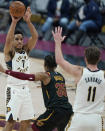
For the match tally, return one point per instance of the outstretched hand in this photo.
(2, 69)
(27, 15)
(57, 34)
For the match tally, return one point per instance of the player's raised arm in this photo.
(10, 36)
(34, 35)
(74, 70)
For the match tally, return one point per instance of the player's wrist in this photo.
(28, 21)
(14, 22)
(4, 71)
(58, 43)
(8, 72)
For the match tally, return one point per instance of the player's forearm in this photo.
(58, 53)
(10, 35)
(32, 30)
(22, 76)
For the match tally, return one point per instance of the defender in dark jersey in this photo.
(58, 109)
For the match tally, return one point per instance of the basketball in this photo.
(17, 9)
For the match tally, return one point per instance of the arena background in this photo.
(74, 54)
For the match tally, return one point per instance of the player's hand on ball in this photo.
(15, 19)
(27, 15)
(17, 10)
(57, 34)
(2, 69)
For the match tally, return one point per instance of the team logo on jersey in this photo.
(23, 67)
(21, 57)
(22, 70)
(58, 78)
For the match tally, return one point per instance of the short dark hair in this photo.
(18, 32)
(92, 55)
(87, 1)
(50, 61)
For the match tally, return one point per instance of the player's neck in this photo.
(18, 50)
(50, 70)
(92, 67)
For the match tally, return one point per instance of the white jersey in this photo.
(20, 63)
(90, 92)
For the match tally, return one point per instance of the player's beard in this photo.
(18, 49)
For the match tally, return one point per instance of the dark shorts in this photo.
(53, 118)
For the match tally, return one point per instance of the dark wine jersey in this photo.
(54, 93)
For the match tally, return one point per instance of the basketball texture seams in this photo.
(17, 9)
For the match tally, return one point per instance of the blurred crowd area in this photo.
(69, 14)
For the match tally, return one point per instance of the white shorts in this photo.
(19, 103)
(86, 122)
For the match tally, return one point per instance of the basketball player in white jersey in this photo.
(18, 98)
(90, 91)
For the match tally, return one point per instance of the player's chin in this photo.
(19, 47)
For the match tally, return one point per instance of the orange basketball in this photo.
(17, 9)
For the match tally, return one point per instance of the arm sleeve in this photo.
(22, 76)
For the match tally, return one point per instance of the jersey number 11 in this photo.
(91, 92)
